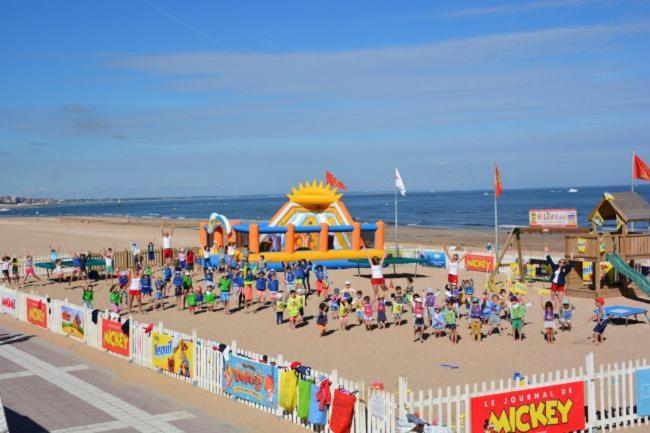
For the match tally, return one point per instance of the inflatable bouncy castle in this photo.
(314, 224)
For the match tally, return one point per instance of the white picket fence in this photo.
(610, 392)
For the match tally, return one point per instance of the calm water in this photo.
(464, 209)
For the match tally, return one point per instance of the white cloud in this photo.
(516, 7)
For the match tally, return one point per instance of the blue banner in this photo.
(251, 381)
(435, 258)
(643, 392)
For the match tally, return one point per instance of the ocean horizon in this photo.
(446, 209)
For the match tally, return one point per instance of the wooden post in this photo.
(520, 258)
(500, 256)
(597, 285)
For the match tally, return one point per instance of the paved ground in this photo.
(44, 390)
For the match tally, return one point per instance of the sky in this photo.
(133, 98)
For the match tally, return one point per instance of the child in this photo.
(398, 309)
(187, 286)
(199, 298)
(438, 322)
(601, 321)
(517, 314)
(122, 281)
(302, 302)
(249, 280)
(273, 285)
(238, 288)
(344, 309)
(57, 274)
(260, 287)
(320, 277)
(367, 313)
(429, 303)
(494, 317)
(475, 323)
(335, 300)
(566, 314)
(177, 282)
(549, 321)
(358, 307)
(450, 320)
(146, 286)
(418, 315)
(408, 292)
(293, 307)
(209, 298)
(280, 305)
(115, 298)
(381, 312)
(289, 280)
(158, 303)
(325, 289)
(190, 298)
(224, 289)
(321, 320)
(168, 273)
(88, 295)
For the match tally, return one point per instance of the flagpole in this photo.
(496, 229)
(396, 241)
(633, 182)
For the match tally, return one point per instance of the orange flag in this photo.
(639, 169)
(498, 188)
(332, 180)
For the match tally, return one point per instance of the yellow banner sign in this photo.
(171, 354)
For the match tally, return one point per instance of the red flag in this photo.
(639, 169)
(498, 188)
(332, 180)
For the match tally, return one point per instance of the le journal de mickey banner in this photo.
(544, 409)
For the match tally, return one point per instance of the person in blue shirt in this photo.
(177, 282)
(145, 285)
(601, 321)
(260, 287)
(289, 281)
(273, 285)
(306, 271)
(321, 276)
(299, 272)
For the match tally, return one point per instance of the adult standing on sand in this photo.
(377, 279)
(454, 261)
(135, 289)
(558, 278)
(168, 252)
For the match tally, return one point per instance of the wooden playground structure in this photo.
(603, 255)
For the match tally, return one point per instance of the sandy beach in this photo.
(356, 354)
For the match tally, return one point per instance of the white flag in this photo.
(399, 184)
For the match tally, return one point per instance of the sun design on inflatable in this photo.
(314, 195)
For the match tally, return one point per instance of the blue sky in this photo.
(160, 97)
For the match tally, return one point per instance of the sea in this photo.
(445, 209)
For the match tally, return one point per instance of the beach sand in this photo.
(356, 354)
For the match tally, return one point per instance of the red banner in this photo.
(479, 262)
(545, 409)
(37, 312)
(113, 339)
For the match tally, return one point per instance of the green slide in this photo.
(622, 267)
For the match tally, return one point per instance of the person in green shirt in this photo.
(210, 298)
(450, 315)
(517, 314)
(191, 301)
(114, 297)
(88, 295)
(187, 287)
(224, 287)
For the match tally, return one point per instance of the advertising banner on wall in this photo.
(479, 262)
(72, 321)
(9, 303)
(545, 409)
(553, 218)
(113, 339)
(251, 381)
(37, 312)
(172, 354)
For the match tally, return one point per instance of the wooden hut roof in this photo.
(629, 206)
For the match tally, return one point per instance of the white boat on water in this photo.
(5, 209)
(572, 190)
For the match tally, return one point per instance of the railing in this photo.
(610, 396)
